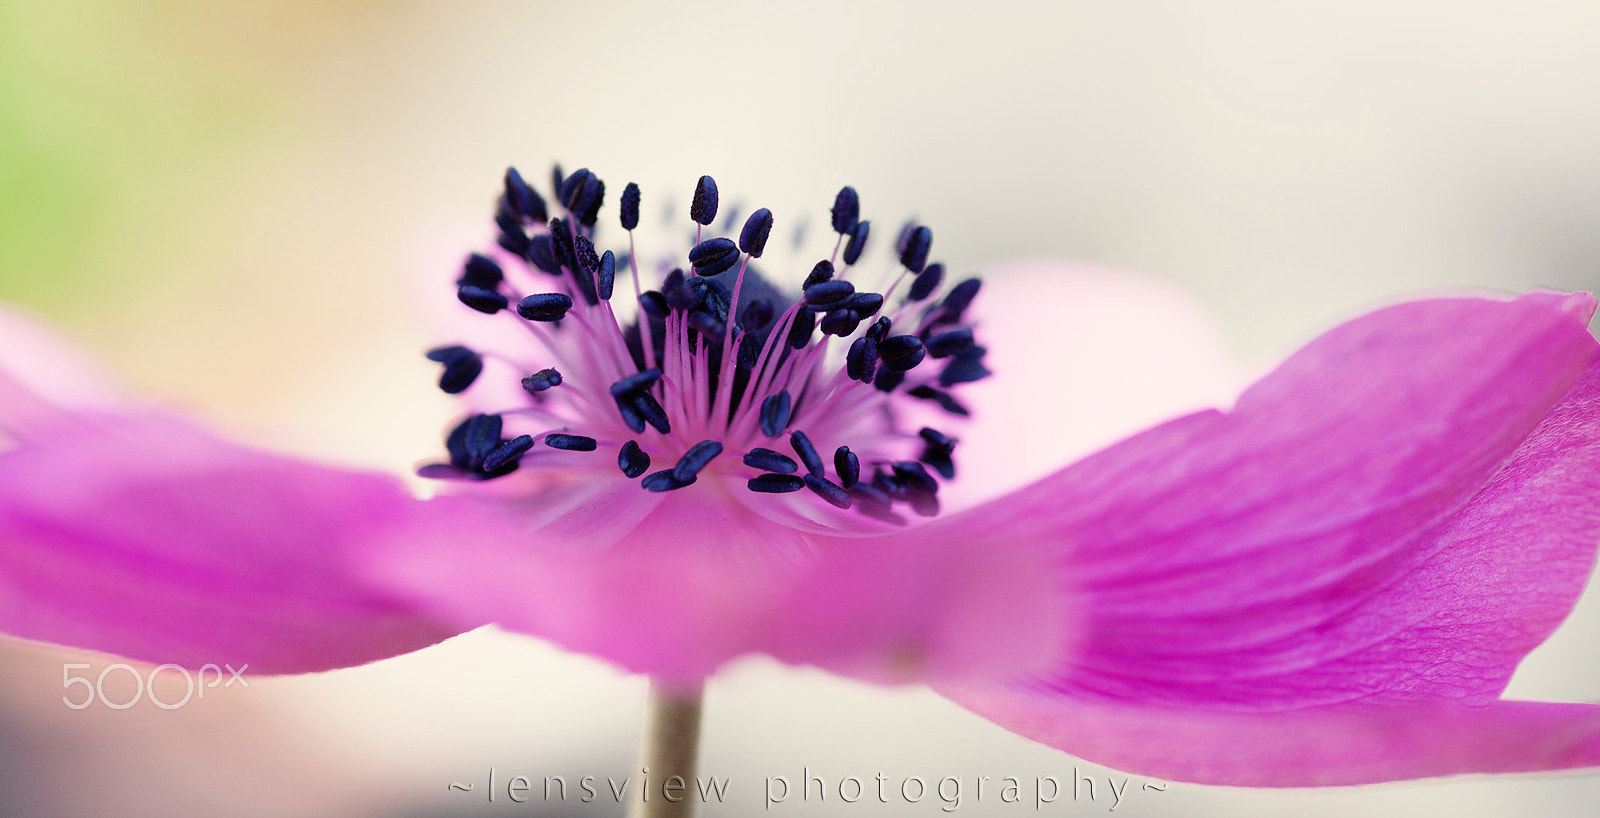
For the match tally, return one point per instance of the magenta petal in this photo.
(1083, 357)
(1324, 746)
(42, 373)
(146, 537)
(1395, 516)
(676, 585)
(960, 601)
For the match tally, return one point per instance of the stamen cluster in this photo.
(700, 368)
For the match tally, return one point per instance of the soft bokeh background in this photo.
(229, 202)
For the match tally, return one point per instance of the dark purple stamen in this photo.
(857, 243)
(582, 193)
(523, 199)
(545, 306)
(825, 295)
(703, 208)
(864, 304)
(769, 460)
(481, 436)
(840, 322)
(571, 188)
(570, 443)
(775, 483)
(630, 415)
(960, 296)
(775, 413)
(512, 237)
(749, 351)
(914, 477)
(805, 323)
(636, 382)
(847, 466)
(713, 256)
(649, 409)
(462, 366)
(541, 380)
(507, 452)
(879, 330)
(711, 297)
(888, 379)
(903, 235)
(482, 300)
(594, 194)
(542, 252)
(470, 444)
(675, 287)
(584, 252)
(561, 244)
(632, 460)
(846, 210)
(695, 459)
(936, 452)
(965, 366)
(808, 453)
(915, 253)
(823, 271)
(827, 490)
(910, 483)
(875, 502)
(630, 206)
(654, 304)
(663, 481)
(861, 362)
(706, 323)
(753, 238)
(587, 270)
(943, 398)
(441, 471)
(902, 352)
(949, 343)
(481, 272)
(608, 275)
(926, 282)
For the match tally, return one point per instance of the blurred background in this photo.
(230, 203)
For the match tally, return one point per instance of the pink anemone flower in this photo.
(1330, 582)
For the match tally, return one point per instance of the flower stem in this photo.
(670, 744)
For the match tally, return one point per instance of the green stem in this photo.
(670, 745)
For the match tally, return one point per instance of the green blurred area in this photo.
(115, 121)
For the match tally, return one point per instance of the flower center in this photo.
(717, 373)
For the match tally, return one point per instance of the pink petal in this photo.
(1320, 746)
(143, 536)
(1083, 357)
(1395, 516)
(675, 585)
(947, 604)
(41, 371)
